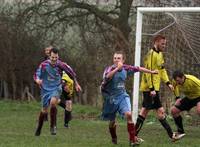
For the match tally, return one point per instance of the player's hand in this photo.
(154, 71)
(178, 102)
(119, 65)
(78, 87)
(171, 87)
(39, 82)
(153, 93)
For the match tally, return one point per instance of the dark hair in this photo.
(158, 38)
(178, 73)
(54, 50)
(122, 53)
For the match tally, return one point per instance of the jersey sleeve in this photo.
(148, 64)
(176, 89)
(131, 69)
(68, 70)
(38, 72)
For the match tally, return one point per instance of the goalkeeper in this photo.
(188, 85)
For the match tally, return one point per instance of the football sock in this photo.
(139, 124)
(179, 123)
(166, 127)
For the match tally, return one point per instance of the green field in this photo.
(18, 122)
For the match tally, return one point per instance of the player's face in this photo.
(161, 44)
(118, 58)
(47, 51)
(180, 80)
(53, 58)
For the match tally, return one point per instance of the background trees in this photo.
(86, 32)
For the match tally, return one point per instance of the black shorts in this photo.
(65, 96)
(187, 104)
(150, 102)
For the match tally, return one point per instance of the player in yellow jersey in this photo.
(66, 97)
(189, 86)
(150, 86)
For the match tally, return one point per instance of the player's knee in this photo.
(144, 112)
(112, 124)
(69, 105)
(161, 113)
(198, 111)
(128, 116)
(173, 111)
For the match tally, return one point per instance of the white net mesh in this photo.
(182, 31)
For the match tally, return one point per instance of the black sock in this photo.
(40, 123)
(139, 123)
(62, 104)
(53, 114)
(112, 131)
(68, 116)
(179, 123)
(166, 126)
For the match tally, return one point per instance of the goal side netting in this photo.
(182, 30)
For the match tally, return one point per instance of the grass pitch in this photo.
(18, 122)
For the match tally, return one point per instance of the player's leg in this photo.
(53, 115)
(180, 105)
(41, 118)
(68, 113)
(112, 130)
(109, 113)
(62, 104)
(146, 106)
(198, 108)
(43, 113)
(162, 118)
(125, 110)
(140, 120)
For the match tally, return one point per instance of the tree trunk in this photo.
(14, 86)
(5, 90)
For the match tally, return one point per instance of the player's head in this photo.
(179, 77)
(47, 50)
(160, 42)
(53, 55)
(118, 56)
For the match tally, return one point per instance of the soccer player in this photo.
(65, 102)
(66, 97)
(115, 96)
(188, 85)
(150, 86)
(48, 77)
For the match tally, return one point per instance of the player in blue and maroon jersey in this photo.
(115, 96)
(48, 77)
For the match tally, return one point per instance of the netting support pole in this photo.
(137, 63)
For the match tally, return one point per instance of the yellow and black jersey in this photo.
(190, 87)
(154, 61)
(69, 83)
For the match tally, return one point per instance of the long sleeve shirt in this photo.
(153, 61)
(190, 88)
(116, 85)
(51, 74)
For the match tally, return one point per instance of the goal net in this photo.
(181, 27)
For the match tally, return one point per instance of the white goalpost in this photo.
(181, 26)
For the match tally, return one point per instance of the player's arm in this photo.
(176, 90)
(149, 64)
(143, 69)
(111, 73)
(163, 74)
(37, 75)
(69, 71)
